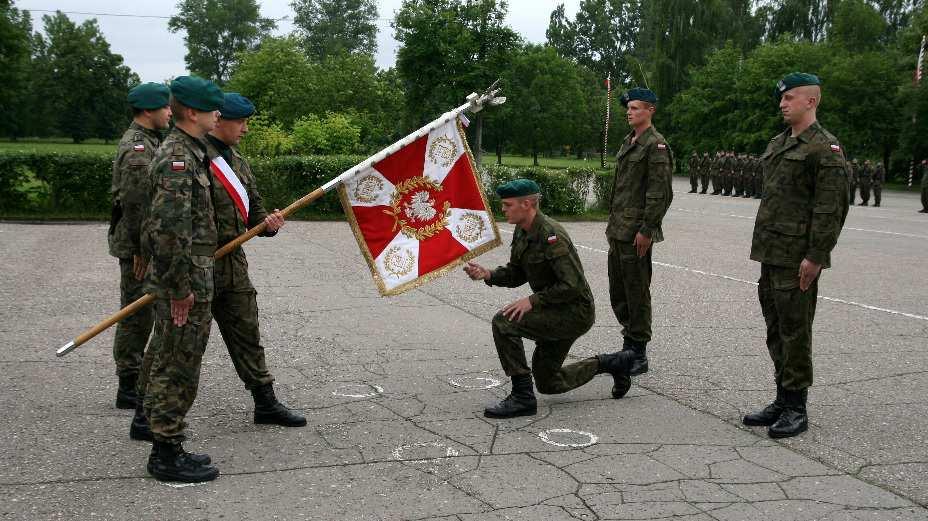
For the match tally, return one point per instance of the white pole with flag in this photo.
(919, 69)
(602, 156)
(475, 103)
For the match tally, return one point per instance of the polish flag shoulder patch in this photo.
(835, 148)
(661, 146)
(178, 166)
(139, 148)
(552, 239)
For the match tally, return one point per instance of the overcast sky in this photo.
(156, 54)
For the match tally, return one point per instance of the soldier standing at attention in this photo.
(758, 178)
(180, 233)
(150, 115)
(693, 167)
(798, 222)
(716, 171)
(558, 312)
(641, 195)
(864, 174)
(879, 177)
(853, 173)
(704, 166)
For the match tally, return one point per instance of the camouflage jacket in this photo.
(545, 257)
(879, 175)
(805, 199)
(715, 164)
(180, 230)
(693, 165)
(641, 190)
(129, 189)
(229, 222)
(864, 174)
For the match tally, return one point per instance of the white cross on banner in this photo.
(223, 172)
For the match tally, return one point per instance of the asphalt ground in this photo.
(394, 388)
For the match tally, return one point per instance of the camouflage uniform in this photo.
(704, 164)
(129, 190)
(758, 178)
(562, 308)
(234, 305)
(727, 170)
(853, 171)
(879, 177)
(864, 174)
(693, 170)
(803, 210)
(180, 232)
(641, 195)
(716, 174)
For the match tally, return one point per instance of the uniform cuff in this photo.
(817, 256)
(645, 230)
(535, 300)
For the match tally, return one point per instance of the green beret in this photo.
(639, 94)
(796, 79)
(517, 188)
(197, 93)
(236, 106)
(149, 96)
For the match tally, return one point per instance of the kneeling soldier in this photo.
(558, 312)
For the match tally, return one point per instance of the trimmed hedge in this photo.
(78, 185)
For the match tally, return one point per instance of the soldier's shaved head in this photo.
(799, 106)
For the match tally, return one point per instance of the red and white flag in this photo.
(420, 212)
(236, 190)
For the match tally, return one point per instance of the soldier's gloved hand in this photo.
(180, 309)
(139, 265)
(515, 311)
(274, 221)
(476, 271)
(808, 271)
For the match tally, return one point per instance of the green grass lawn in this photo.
(549, 162)
(62, 146)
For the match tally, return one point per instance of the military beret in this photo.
(149, 96)
(517, 188)
(796, 79)
(639, 94)
(236, 106)
(197, 93)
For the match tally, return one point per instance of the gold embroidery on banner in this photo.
(471, 227)
(367, 188)
(398, 261)
(443, 151)
(421, 207)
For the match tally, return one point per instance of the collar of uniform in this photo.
(196, 144)
(224, 150)
(642, 138)
(537, 223)
(807, 134)
(150, 131)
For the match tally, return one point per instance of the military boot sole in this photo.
(487, 413)
(803, 427)
(621, 386)
(638, 368)
(283, 422)
(206, 473)
(754, 420)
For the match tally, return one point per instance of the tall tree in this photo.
(450, 48)
(601, 36)
(15, 51)
(79, 85)
(216, 32)
(331, 27)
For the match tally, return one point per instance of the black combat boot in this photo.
(769, 414)
(140, 429)
(270, 411)
(617, 364)
(793, 419)
(639, 363)
(520, 402)
(170, 462)
(127, 396)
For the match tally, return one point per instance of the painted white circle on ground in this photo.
(545, 436)
(358, 391)
(448, 451)
(474, 382)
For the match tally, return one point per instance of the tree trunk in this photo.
(478, 138)
(499, 153)
(534, 157)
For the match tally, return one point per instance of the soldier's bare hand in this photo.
(139, 265)
(808, 271)
(515, 311)
(274, 221)
(180, 309)
(476, 271)
(642, 243)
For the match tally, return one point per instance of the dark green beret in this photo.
(149, 96)
(517, 188)
(197, 93)
(236, 106)
(796, 79)
(639, 94)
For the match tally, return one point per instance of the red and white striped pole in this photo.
(602, 156)
(919, 68)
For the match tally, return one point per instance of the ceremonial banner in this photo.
(420, 212)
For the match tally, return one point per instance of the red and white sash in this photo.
(223, 172)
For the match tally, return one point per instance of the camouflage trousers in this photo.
(925, 194)
(788, 313)
(554, 331)
(131, 333)
(694, 180)
(853, 189)
(704, 180)
(877, 193)
(235, 309)
(630, 289)
(864, 192)
(174, 355)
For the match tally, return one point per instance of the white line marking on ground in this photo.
(546, 437)
(490, 382)
(450, 452)
(735, 279)
(345, 391)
